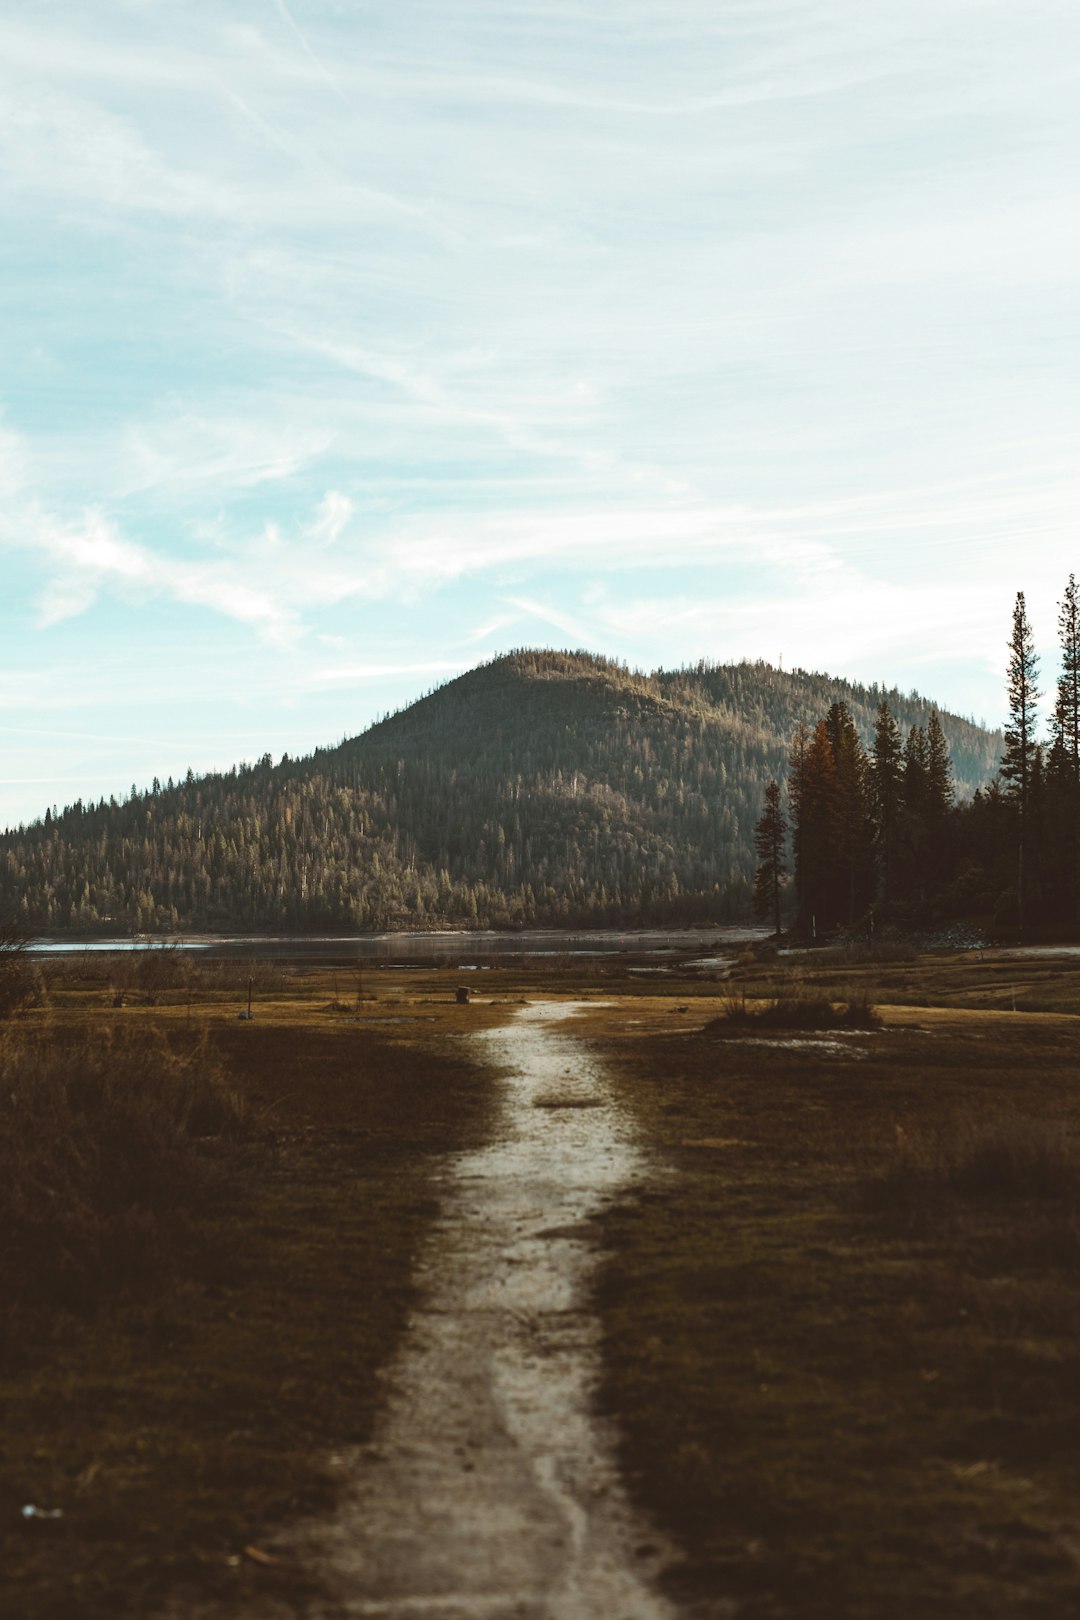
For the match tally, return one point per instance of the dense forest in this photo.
(879, 834)
(546, 788)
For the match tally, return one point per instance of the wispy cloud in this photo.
(178, 453)
(771, 566)
(346, 347)
(14, 463)
(91, 556)
(357, 674)
(316, 61)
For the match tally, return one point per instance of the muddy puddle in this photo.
(490, 1491)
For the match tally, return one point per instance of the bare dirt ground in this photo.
(490, 1489)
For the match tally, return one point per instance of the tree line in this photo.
(878, 832)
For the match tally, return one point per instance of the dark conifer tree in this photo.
(1060, 842)
(940, 797)
(914, 817)
(916, 773)
(770, 841)
(1023, 695)
(817, 833)
(800, 747)
(940, 788)
(830, 823)
(1019, 755)
(1066, 722)
(1036, 827)
(854, 852)
(886, 785)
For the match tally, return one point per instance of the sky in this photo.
(344, 345)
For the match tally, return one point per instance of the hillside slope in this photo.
(544, 787)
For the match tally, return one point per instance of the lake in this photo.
(461, 949)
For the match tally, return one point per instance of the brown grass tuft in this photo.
(103, 1157)
(795, 1008)
(1006, 1157)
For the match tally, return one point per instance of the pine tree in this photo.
(770, 839)
(1023, 672)
(939, 829)
(916, 773)
(829, 822)
(886, 785)
(1061, 834)
(1061, 821)
(1019, 755)
(816, 834)
(853, 852)
(940, 789)
(1066, 722)
(800, 746)
(913, 820)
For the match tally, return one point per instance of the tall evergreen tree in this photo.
(1023, 695)
(913, 820)
(886, 784)
(770, 840)
(1060, 841)
(940, 788)
(831, 832)
(1066, 722)
(797, 755)
(916, 773)
(817, 831)
(1061, 811)
(854, 851)
(1019, 755)
(938, 824)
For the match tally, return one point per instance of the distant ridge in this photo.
(542, 788)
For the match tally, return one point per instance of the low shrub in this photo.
(858, 1011)
(158, 971)
(795, 1008)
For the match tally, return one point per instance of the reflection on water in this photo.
(446, 947)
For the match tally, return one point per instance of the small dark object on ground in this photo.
(462, 995)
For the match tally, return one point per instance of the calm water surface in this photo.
(482, 946)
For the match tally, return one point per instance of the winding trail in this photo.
(490, 1491)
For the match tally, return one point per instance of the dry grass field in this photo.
(211, 1231)
(842, 1333)
(840, 1322)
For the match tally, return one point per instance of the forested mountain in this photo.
(542, 788)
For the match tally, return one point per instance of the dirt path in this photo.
(490, 1490)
